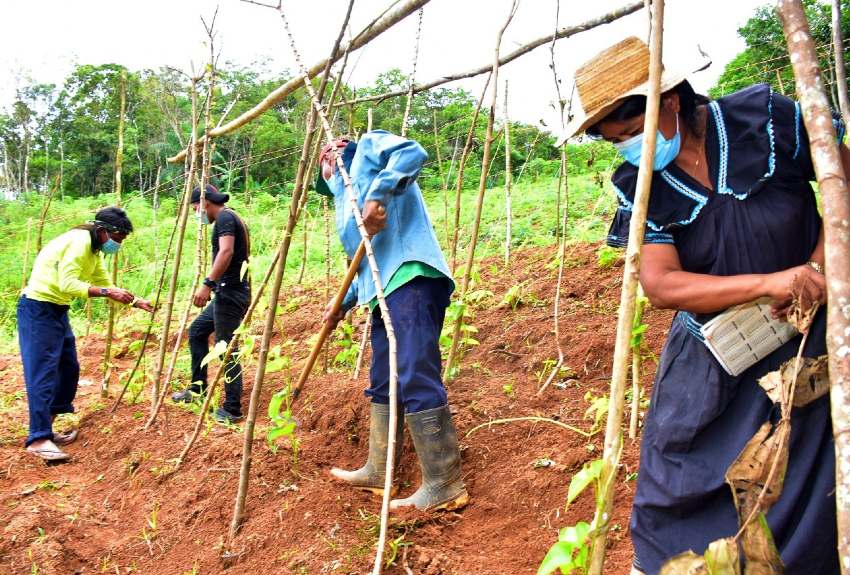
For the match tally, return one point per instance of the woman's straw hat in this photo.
(610, 77)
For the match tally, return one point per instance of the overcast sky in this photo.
(43, 39)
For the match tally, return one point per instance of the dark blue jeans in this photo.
(51, 369)
(417, 309)
(221, 316)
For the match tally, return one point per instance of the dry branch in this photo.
(836, 214)
(613, 428)
(482, 187)
(372, 31)
(521, 51)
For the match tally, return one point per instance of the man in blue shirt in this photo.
(417, 284)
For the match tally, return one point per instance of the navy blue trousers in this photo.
(51, 369)
(221, 316)
(417, 309)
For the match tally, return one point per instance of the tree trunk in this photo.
(508, 176)
(836, 213)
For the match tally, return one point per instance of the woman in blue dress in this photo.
(732, 218)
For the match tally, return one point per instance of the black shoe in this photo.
(185, 396)
(221, 415)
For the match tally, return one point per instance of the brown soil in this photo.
(95, 514)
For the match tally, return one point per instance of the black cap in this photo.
(113, 219)
(210, 195)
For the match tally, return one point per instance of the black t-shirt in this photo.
(227, 224)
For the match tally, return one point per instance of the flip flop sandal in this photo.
(49, 453)
(65, 437)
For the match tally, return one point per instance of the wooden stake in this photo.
(464, 156)
(832, 182)
(178, 254)
(253, 407)
(326, 327)
(482, 187)
(409, 102)
(508, 176)
(119, 159)
(840, 68)
(25, 272)
(626, 314)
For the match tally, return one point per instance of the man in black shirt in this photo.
(228, 279)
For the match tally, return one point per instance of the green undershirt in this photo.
(404, 274)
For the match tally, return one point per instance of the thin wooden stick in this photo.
(26, 269)
(464, 156)
(535, 419)
(409, 102)
(374, 29)
(364, 341)
(326, 327)
(640, 306)
(448, 373)
(178, 255)
(253, 407)
(827, 159)
(508, 176)
(840, 68)
(613, 428)
(119, 158)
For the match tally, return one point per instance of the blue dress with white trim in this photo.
(760, 217)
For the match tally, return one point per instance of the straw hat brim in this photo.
(583, 120)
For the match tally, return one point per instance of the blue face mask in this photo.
(665, 150)
(110, 246)
(202, 217)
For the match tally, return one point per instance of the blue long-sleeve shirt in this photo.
(384, 167)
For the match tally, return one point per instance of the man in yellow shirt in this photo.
(70, 266)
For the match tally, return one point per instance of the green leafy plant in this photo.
(607, 257)
(281, 423)
(346, 357)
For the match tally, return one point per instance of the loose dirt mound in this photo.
(116, 508)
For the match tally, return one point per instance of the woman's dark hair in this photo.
(634, 106)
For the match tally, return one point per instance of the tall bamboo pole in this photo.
(253, 407)
(464, 156)
(409, 103)
(626, 314)
(508, 211)
(119, 159)
(178, 255)
(382, 304)
(482, 187)
(832, 182)
(25, 272)
(840, 68)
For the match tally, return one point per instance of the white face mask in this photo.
(202, 217)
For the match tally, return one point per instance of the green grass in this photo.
(534, 224)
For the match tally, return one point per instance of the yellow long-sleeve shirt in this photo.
(65, 268)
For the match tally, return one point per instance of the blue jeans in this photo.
(417, 310)
(51, 369)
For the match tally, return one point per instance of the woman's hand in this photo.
(802, 280)
(120, 295)
(144, 304)
(374, 217)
